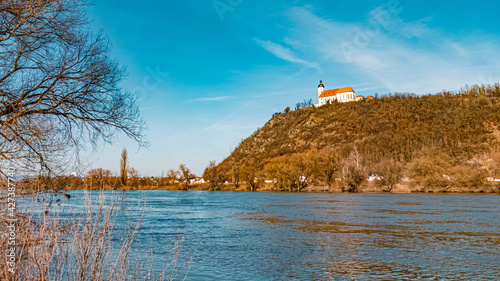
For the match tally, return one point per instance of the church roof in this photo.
(334, 92)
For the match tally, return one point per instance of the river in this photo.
(316, 236)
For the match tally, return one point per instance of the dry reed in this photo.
(82, 246)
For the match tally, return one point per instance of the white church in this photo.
(346, 94)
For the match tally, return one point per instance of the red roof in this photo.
(334, 92)
(369, 97)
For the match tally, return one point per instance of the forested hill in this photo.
(443, 131)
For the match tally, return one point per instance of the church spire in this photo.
(321, 88)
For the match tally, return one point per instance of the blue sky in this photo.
(209, 73)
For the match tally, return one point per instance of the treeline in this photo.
(127, 178)
(98, 179)
(439, 142)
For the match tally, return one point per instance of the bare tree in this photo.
(172, 177)
(327, 165)
(353, 171)
(306, 103)
(300, 170)
(186, 176)
(235, 171)
(252, 176)
(134, 177)
(275, 169)
(216, 174)
(99, 178)
(123, 167)
(390, 172)
(59, 90)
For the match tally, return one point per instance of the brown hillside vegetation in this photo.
(443, 142)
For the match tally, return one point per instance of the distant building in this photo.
(406, 180)
(345, 94)
(494, 179)
(199, 180)
(373, 177)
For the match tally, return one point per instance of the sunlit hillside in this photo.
(444, 139)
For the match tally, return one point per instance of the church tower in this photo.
(321, 88)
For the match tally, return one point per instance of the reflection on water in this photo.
(280, 236)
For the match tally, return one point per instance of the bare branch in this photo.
(59, 90)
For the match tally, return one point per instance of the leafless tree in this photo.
(353, 173)
(99, 178)
(253, 177)
(390, 172)
(59, 90)
(134, 177)
(217, 175)
(327, 165)
(186, 176)
(306, 103)
(172, 177)
(300, 169)
(234, 170)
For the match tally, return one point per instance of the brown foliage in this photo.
(252, 177)
(353, 172)
(390, 173)
(326, 165)
(291, 172)
(216, 175)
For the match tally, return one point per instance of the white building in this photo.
(372, 177)
(495, 179)
(346, 94)
(199, 180)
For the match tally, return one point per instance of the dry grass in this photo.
(83, 246)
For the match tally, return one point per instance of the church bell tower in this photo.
(321, 88)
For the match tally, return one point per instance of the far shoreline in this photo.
(487, 191)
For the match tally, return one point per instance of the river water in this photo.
(314, 236)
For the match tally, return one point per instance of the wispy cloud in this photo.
(282, 52)
(225, 125)
(219, 98)
(399, 55)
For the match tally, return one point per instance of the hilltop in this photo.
(443, 142)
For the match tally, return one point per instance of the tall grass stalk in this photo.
(52, 245)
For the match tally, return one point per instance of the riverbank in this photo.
(364, 188)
